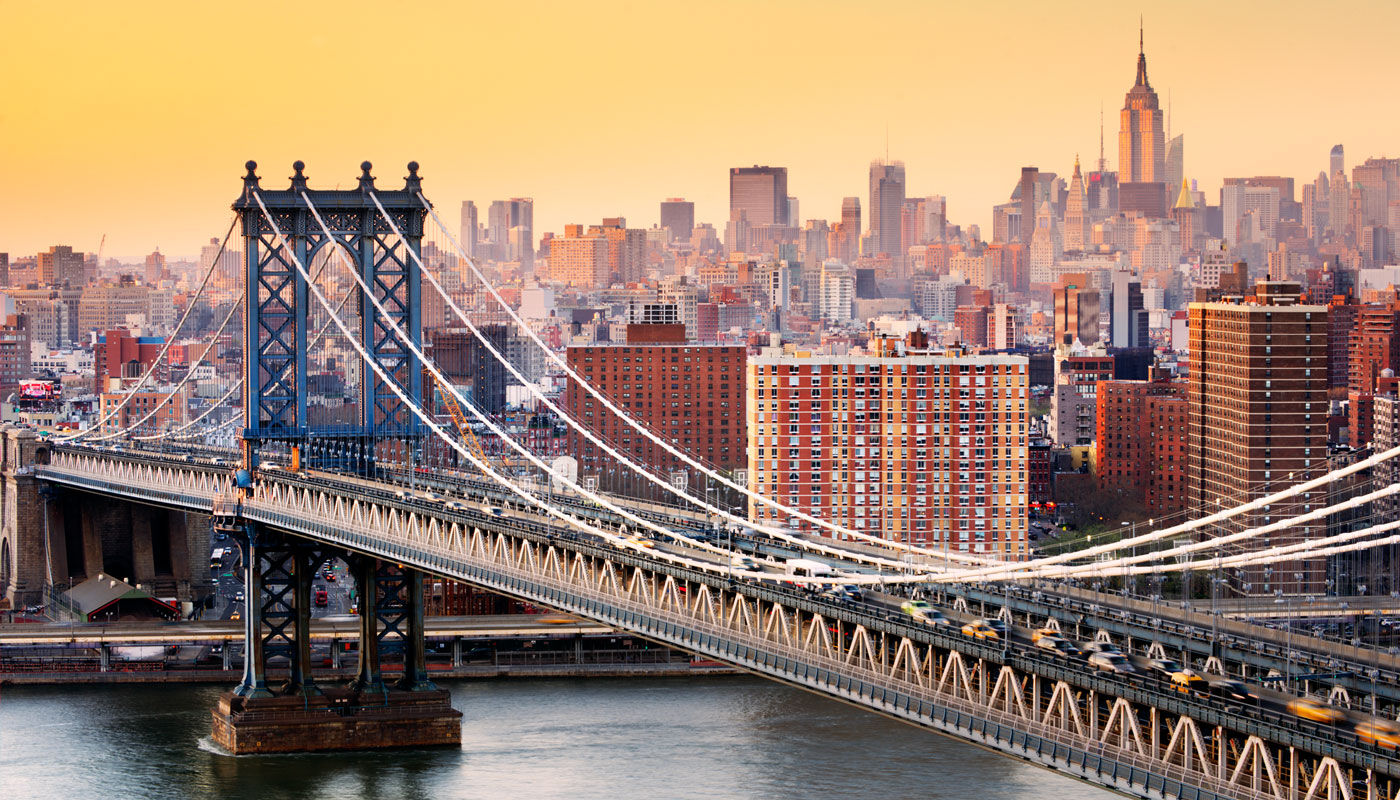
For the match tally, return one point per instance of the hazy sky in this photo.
(134, 119)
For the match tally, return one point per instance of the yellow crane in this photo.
(464, 429)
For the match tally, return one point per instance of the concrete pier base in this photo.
(336, 719)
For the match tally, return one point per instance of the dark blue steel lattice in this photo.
(279, 303)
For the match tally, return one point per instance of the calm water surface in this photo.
(718, 737)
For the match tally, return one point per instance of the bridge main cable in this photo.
(661, 441)
(623, 458)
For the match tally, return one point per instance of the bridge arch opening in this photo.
(6, 565)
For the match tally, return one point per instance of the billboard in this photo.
(36, 390)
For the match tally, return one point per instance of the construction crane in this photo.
(464, 429)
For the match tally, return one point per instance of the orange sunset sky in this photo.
(134, 119)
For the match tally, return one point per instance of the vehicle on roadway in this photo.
(842, 592)
(1166, 666)
(996, 624)
(980, 629)
(745, 562)
(1379, 732)
(1111, 662)
(1235, 690)
(1313, 711)
(638, 541)
(1065, 648)
(322, 598)
(807, 568)
(1188, 682)
(923, 612)
(1101, 647)
(1044, 633)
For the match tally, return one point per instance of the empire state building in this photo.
(1142, 148)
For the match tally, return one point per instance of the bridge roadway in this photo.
(1243, 649)
(1128, 732)
(323, 628)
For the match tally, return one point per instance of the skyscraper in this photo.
(1029, 177)
(761, 193)
(1141, 148)
(1338, 160)
(1076, 230)
(155, 267)
(886, 204)
(1127, 319)
(469, 224)
(677, 217)
(1176, 161)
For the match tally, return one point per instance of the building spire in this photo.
(1142, 60)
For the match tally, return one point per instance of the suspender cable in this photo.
(486, 467)
(164, 349)
(621, 457)
(659, 440)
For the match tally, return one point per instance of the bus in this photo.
(216, 559)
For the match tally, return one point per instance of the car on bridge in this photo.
(1313, 711)
(1044, 633)
(1059, 646)
(1166, 666)
(1235, 690)
(1111, 662)
(1379, 732)
(980, 629)
(923, 612)
(1189, 682)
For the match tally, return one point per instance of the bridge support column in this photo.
(368, 678)
(254, 682)
(368, 713)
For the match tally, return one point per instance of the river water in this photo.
(709, 737)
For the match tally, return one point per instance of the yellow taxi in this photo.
(1379, 732)
(1309, 709)
(980, 629)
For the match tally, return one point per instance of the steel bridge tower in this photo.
(278, 304)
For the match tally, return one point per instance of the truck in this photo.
(807, 568)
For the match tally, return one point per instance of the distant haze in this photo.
(135, 122)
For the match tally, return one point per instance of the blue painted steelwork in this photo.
(278, 304)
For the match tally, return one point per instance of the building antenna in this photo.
(1103, 167)
(1169, 114)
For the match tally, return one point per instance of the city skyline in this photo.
(142, 137)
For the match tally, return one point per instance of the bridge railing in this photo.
(833, 675)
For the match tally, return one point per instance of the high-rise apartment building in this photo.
(1373, 347)
(1127, 437)
(1258, 409)
(901, 444)
(761, 193)
(678, 218)
(691, 394)
(579, 259)
(886, 204)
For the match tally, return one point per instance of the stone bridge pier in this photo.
(52, 538)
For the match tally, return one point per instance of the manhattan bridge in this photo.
(299, 472)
